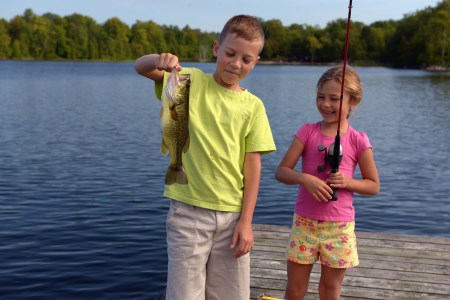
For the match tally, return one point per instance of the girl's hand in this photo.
(337, 180)
(318, 188)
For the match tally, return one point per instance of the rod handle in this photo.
(334, 196)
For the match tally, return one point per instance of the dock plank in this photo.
(392, 266)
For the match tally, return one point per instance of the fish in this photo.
(175, 125)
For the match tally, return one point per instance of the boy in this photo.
(209, 232)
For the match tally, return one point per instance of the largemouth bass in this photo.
(174, 125)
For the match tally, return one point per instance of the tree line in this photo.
(418, 40)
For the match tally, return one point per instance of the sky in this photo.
(211, 15)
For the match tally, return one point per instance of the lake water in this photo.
(81, 176)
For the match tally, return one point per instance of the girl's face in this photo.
(328, 102)
(236, 57)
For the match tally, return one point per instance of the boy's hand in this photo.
(153, 66)
(243, 234)
(318, 188)
(167, 62)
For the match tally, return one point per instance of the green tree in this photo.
(313, 44)
(19, 32)
(117, 39)
(77, 36)
(31, 36)
(155, 35)
(139, 44)
(357, 47)
(5, 40)
(376, 38)
(277, 43)
(188, 44)
(333, 41)
(58, 35)
(297, 50)
(97, 41)
(173, 37)
(42, 42)
(437, 33)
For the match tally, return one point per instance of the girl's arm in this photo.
(370, 182)
(285, 173)
(243, 232)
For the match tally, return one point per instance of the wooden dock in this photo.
(392, 266)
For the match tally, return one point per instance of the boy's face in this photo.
(236, 57)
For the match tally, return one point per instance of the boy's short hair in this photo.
(244, 26)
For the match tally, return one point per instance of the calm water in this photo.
(81, 176)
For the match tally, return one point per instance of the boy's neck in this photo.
(232, 87)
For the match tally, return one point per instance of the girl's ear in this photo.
(215, 48)
(352, 103)
(352, 106)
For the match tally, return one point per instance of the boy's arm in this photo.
(243, 233)
(153, 65)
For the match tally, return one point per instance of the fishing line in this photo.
(345, 63)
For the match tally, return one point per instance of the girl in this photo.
(324, 229)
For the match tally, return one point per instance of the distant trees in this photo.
(78, 37)
(418, 40)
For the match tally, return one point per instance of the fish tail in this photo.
(176, 175)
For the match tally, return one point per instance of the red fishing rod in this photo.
(335, 150)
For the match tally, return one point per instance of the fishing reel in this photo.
(332, 157)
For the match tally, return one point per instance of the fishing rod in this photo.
(335, 150)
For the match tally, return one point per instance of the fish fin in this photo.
(176, 175)
(171, 85)
(163, 148)
(173, 113)
(186, 144)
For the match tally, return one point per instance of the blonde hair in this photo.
(244, 26)
(352, 84)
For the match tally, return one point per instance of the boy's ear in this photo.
(256, 61)
(215, 48)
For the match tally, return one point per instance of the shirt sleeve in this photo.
(303, 133)
(363, 144)
(260, 138)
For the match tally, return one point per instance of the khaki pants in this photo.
(201, 264)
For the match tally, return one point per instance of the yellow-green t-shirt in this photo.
(223, 126)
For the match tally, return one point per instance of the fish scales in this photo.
(174, 125)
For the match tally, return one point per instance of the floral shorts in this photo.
(334, 243)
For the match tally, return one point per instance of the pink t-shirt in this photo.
(353, 144)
